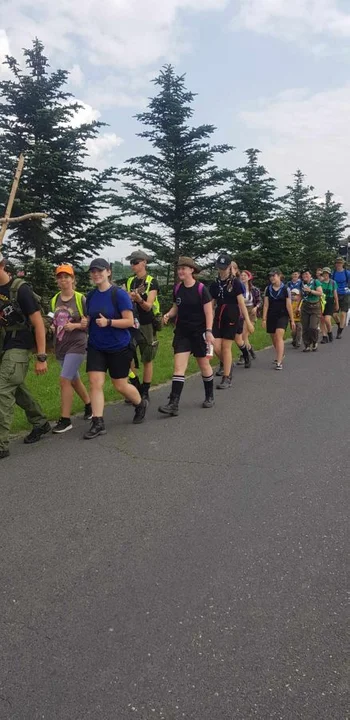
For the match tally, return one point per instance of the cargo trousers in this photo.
(14, 365)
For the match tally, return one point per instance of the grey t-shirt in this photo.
(68, 342)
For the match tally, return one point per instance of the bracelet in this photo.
(109, 322)
(209, 330)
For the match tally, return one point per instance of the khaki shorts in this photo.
(252, 314)
(148, 343)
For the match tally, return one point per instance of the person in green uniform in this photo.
(311, 291)
(330, 291)
(19, 313)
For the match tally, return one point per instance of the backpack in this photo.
(346, 273)
(23, 324)
(157, 317)
(78, 301)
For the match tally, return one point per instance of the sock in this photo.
(146, 386)
(177, 385)
(244, 352)
(135, 381)
(208, 386)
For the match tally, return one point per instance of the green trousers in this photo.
(13, 369)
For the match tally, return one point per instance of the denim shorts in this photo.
(70, 365)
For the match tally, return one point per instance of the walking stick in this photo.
(7, 219)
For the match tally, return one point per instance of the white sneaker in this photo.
(278, 366)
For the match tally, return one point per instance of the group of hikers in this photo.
(113, 327)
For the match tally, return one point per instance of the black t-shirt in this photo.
(226, 292)
(190, 313)
(9, 315)
(277, 300)
(145, 317)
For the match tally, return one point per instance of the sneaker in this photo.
(208, 402)
(97, 428)
(278, 366)
(37, 433)
(220, 371)
(225, 383)
(314, 347)
(140, 412)
(62, 425)
(4, 454)
(240, 360)
(88, 412)
(324, 340)
(306, 348)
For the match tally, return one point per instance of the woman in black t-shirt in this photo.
(277, 312)
(193, 311)
(227, 292)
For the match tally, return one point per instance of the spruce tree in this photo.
(333, 220)
(36, 114)
(176, 188)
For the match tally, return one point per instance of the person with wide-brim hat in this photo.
(342, 277)
(192, 310)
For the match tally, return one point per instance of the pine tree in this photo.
(175, 190)
(333, 220)
(36, 116)
(247, 225)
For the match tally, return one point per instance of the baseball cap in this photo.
(138, 255)
(223, 261)
(99, 264)
(65, 268)
(275, 271)
(295, 291)
(248, 273)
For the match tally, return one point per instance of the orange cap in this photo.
(65, 269)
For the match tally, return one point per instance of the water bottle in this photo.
(209, 348)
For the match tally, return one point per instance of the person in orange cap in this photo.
(67, 310)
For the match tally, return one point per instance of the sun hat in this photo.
(138, 255)
(185, 261)
(327, 270)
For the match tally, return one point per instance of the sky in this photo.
(270, 74)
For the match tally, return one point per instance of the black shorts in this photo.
(275, 322)
(344, 302)
(225, 327)
(329, 307)
(194, 344)
(116, 363)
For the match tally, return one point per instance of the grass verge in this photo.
(46, 389)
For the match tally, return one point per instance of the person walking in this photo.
(252, 303)
(330, 291)
(109, 317)
(294, 285)
(19, 313)
(227, 293)
(68, 307)
(342, 278)
(277, 312)
(193, 313)
(310, 310)
(143, 290)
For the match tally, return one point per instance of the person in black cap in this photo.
(110, 315)
(227, 292)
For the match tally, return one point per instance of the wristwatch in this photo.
(41, 358)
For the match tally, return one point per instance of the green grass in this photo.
(46, 389)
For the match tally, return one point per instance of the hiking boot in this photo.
(140, 412)
(37, 433)
(225, 383)
(306, 348)
(4, 454)
(324, 340)
(278, 366)
(294, 344)
(97, 428)
(314, 347)
(62, 426)
(330, 336)
(144, 393)
(209, 402)
(88, 412)
(220, 371)
(240, 360)
(252, 353)
(338, 335)
(172, 408)
(247, 363)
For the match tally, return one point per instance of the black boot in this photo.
(140, 412)
(97, 428)
(252, 353)
(324, 340)
(339, 332)
(144, 391)
(209, 392)
(245, 354)
(330, 336)
(172, 408)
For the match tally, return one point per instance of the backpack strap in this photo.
(177, 288)
(88, 298)
(14, 287)
(200, 288)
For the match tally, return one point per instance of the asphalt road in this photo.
(193, 567)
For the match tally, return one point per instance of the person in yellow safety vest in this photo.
(143, 290)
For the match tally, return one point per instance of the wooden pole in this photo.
(5, 220)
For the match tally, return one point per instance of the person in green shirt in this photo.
(311, 291)
(330, 290)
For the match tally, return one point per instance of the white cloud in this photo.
(76, 76)
(103, 146)
(4, 50)
(298, 129)
(86, 114)
(293, 18)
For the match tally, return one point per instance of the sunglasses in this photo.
(135, 262)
